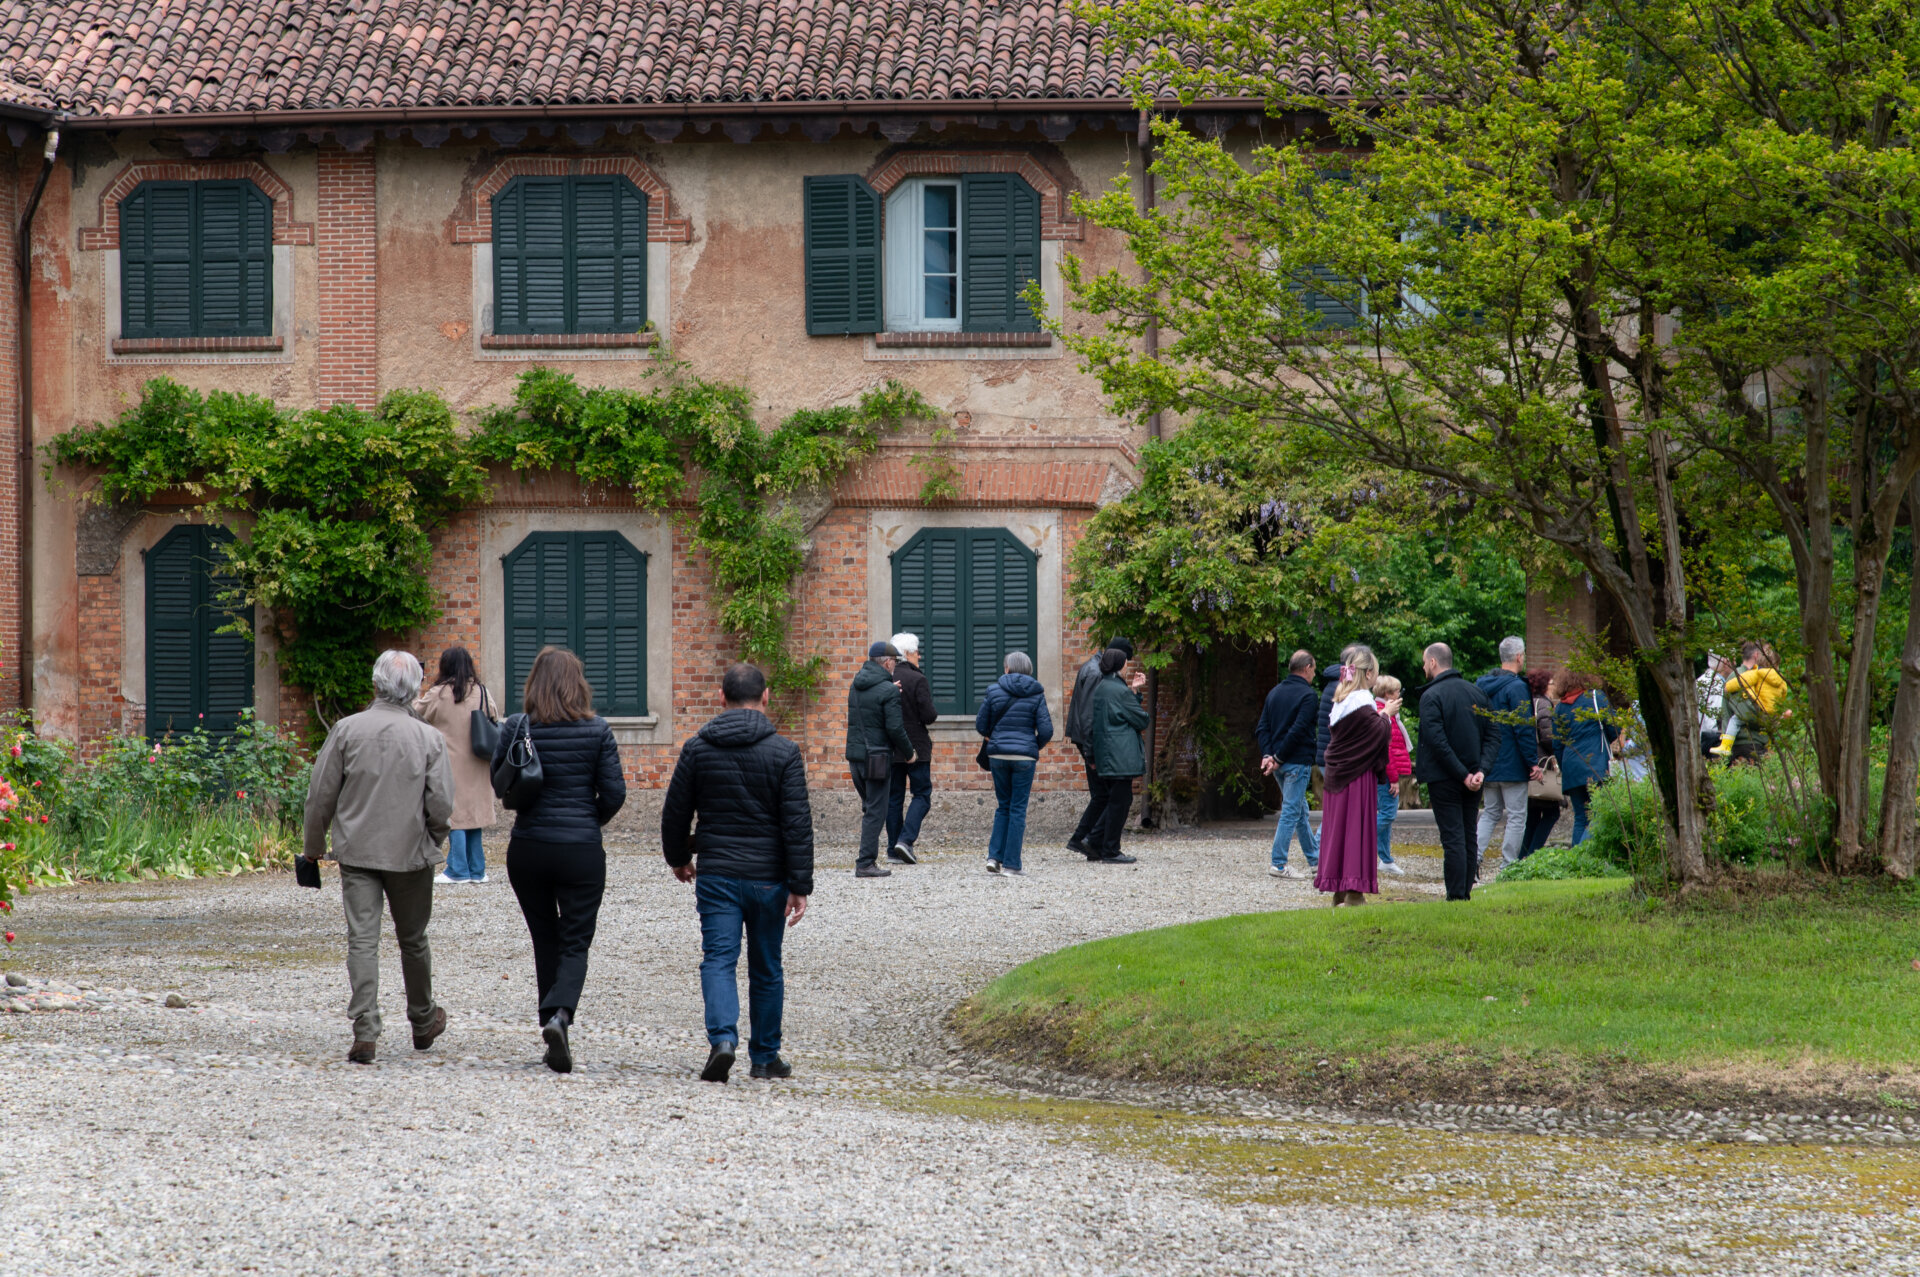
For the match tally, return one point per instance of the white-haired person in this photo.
(916, 708)
(383, 787)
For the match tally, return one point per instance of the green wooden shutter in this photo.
(1000, 252)
(539, 581)
(1001, 581)
(156, 261)
(531, 239)
(586, 592)
(611, 622)
(927, 601)
(1333, 313)
(234, 258)
(608, 224)
(196, 675)
(843, 255)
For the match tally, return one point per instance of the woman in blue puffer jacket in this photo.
(1013, 717)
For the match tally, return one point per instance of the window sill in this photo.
(568, 341)
(198, 345)
(895, 341)
(634, 731)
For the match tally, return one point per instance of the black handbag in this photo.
(483, 733)
(516, 773)
(982, 759)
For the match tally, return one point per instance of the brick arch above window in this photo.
(1057, 218)
(473, 224)
(107, 234)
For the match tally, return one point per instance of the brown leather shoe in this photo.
(362, 1053)
(423, 1038)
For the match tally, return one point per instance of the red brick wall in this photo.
(13, 164)
(349, 297)
(104, 711)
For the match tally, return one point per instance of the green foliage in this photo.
(1553, 864)
(334, 511)
(746, 521)
(940, 476)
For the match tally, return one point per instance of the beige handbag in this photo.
(1547, 788)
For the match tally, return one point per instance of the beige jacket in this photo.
(472, 783)
(382, 784)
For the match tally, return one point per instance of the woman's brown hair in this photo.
(557, 688)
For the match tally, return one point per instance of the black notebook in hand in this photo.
(306, 872)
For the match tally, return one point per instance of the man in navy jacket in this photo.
(1517, 754)
(1287, 731)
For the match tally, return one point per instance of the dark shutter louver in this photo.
(586, 592)
(1000, 230)
(970, 596)
(235, 258)
(569, 256)
(843, 255)
(196, 675)
(1334, 312)
(609, 224)
(530, 241)
(156, 261)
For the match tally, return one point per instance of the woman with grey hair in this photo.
(1013, 717)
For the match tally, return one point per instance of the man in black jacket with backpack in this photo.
(748, 786)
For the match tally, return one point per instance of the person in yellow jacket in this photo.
(1756, 685)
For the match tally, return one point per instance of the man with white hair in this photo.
(916, 707)
(383, 785)
(1516, 757)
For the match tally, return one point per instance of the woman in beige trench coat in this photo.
(448, 705)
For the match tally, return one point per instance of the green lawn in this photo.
(1537, 990)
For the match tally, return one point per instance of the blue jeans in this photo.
(1389, 802)
(1293, 815)
(1012, 781)
(465, 859)
(1577, 795)
(920, 775)
(727, 907)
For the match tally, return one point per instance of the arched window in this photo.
(197, 676)
(587, 592)
(196, 260)
(971, 596)
(569, 255)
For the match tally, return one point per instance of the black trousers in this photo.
(1113, 814)
(559, 886)
(873, 810)
(1097, 793)
(1456, 809)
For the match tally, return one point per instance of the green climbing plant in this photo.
(340, 506)
(750, 484)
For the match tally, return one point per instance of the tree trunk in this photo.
(1899, 838)
(1816, 583)
(1672, 706)
(1852, 794)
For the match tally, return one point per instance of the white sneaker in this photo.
(1275, 871)
(1291, 871)
(1393, 867)
(1012, 873)
(993, 867)
(482, 878)
(442, 877)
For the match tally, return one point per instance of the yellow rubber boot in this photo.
(1724, 749)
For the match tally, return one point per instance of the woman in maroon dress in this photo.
(1356, 766)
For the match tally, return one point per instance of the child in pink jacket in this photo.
(1399, 764)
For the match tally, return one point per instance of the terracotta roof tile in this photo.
(139, 57)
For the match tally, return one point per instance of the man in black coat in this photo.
(916, 708)
(876, 738)
(1457, 741)
(1080, 732)
(1285, 733)
(748, 786)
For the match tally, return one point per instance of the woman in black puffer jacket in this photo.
(555, 859)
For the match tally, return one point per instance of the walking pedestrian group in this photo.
(1504, 755)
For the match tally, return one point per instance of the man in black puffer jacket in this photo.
(877, 742)
(748, 786)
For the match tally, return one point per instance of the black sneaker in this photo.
(1079, 845)
(872, 871)
(719, 1063)
(1117, 858)
(902, 853)
(559, 1055)
(776, 1067)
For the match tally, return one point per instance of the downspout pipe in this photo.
(1152, 341)
(23, 261)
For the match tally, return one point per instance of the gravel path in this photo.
(230, 1135)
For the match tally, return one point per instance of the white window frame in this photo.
(905, 230)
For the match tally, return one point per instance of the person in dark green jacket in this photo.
(1118, 755)
(876, 742)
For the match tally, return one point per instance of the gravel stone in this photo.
(230, 1132)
